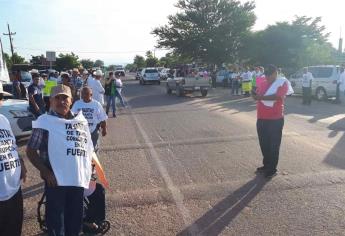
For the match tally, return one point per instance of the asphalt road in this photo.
(185, 166)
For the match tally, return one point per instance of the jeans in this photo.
(306, 95)
(95, 211)
(112, 101)
(235, 87)
(270, 136)
(64, 210)
(95, 139)
(11, 215)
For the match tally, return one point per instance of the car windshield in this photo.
(321, 72)
(25, 76)
(151, 71)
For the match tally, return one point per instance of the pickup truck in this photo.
(188, 84)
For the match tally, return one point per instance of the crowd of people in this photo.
(75, 118)
(38, 92)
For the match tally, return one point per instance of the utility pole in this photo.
(11, 42)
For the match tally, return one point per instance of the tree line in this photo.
(219, 32)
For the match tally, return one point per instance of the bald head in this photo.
(86, 94)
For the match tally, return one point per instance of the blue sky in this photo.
(116, 30)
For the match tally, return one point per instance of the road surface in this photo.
(185, 166)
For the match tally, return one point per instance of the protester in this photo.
(77, 83)
(16, 88)
(65, 168)
(342, 86)
(235, 82)
(66, 80)
(97, 88)
(85, 78)
(247, 82)
(94, 114)
(12, 170)
(35, 93)
(270, 95)
(107, 92)
(307, 86)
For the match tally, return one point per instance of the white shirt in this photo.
(10, 168)
(342, 82)
(70, 148)
(92, 111)
(97, 90)
(307, 77)
(118, 84)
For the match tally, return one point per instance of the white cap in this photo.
(98, 73)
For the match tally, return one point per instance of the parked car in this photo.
(164, 73)
(188, 84)
(223, 77)
(149, 75)
(121, 72)
(16, 111)
(324, 84)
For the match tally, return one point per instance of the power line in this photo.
(89, 52)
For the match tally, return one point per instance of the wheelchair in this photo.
(103, 225)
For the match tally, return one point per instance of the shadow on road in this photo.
(336, 156)
(221, 215)
(33, 190)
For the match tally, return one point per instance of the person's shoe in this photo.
(114, 115)
(261, 169)
(270, 174)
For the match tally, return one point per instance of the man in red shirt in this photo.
(270, 95)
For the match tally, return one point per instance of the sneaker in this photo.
(261, 169)
(270, 174)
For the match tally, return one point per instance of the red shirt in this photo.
(277, 111)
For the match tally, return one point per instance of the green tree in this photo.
(67, 61)
(292, 45)
(112, 67)
(151, 60)
(173, 59)
(37, 60)
(99, 63)
(87, 63)
(139, 61)
(17, 59)
(130, 67)
(210, 31)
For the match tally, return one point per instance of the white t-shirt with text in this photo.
(10, 167)
(92, 111)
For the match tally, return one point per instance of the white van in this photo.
(324, 84)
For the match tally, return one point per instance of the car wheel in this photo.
(169, 91)
(321, 94)
(179, 91)
(204, 92)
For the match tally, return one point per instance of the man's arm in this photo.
(32, 154)
(281, 93)
(104, 128)
(33, 102)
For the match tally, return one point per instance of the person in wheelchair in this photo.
(94, 208)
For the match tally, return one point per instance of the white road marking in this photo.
(175, 191)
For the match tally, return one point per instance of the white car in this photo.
(163, 74)
(149, 75)
(16, 111)
(324, 84)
